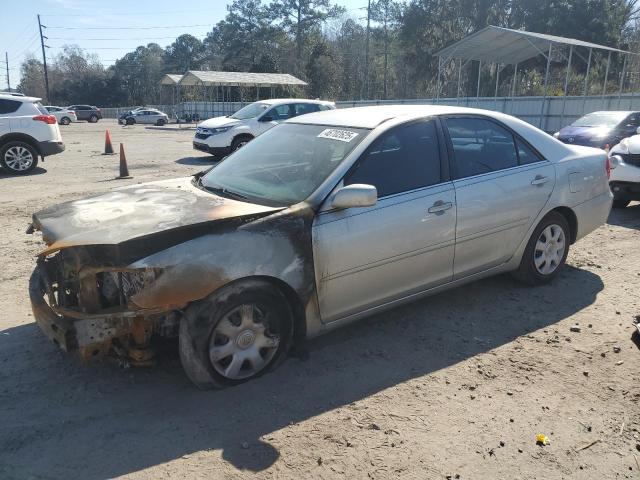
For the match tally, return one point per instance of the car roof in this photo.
(19, 98)
(627, 112)
(371, 117)
(280, 101)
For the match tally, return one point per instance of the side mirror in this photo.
(356, 195)
(614, 161)
(266, 118)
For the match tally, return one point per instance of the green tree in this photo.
(186, 53)
(300, 17)
(323, 71)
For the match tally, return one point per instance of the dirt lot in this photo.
(455, 385)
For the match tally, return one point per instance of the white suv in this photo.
(220, 136)
(27, 131)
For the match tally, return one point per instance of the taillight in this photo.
(49, 119)
(607, 166)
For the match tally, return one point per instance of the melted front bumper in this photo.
(88, 335)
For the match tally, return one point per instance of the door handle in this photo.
(539, 180)
(440, 206)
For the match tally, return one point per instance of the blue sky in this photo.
(85, 23)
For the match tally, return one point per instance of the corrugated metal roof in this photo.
(171, 79)
(195, 77)
(507, 46)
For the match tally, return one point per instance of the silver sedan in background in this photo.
(324, 219)
(149, 116)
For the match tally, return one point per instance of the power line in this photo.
(118, 39)
(128, 28)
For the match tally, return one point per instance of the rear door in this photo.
(8, 108)
(501, 186)
(365, 257)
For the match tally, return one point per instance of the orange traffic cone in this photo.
(108, 149)
(124, 170)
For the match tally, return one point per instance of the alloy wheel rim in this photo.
(241, 344)
(18, 158)
(549, 249)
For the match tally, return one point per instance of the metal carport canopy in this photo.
(170, 79)
(237, 79)
(507, 46)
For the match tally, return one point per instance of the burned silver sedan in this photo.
(325, 219)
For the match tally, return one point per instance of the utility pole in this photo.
(6, 58)
(366, 53)
(44, 60)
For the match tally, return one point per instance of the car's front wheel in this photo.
(546, 251)
(18, 157)
(129, 121)
(161, 122)
(93, 119)
(236, 334)
(65, 121)
(240, 141)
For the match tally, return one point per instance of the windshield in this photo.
(250, 111)
(284, 165)
(600, 119)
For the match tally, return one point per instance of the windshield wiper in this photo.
(224, 192)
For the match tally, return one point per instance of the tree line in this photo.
(332, 49)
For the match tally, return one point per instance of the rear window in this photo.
(8, 106)
(41, 108)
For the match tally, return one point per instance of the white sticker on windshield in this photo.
(335, 134)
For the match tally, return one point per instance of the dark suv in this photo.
(86, 112)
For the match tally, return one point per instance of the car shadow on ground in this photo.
(35, 171)
(626, 217)
(61, 418)
(206, 161)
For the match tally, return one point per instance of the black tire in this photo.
(65, 121)
(240, 141)
(161, 122)
(129, 121)
(9, 162)
(527, 272)
(93, 119)
(620, 203)
(198, 331)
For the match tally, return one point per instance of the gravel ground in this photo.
(454, 386)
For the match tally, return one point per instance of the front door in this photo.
(365, 257)
(501, 186)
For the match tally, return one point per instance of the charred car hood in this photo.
(166, 208)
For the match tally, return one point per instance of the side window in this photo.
(9, 106)
(325, 107)
(480, 146)
(282, 112)
(402, 159)
(302, 108)
(525, 154)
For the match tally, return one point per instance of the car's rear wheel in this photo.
(238, 333)
(93, 118)
(620, 203)
(65, 121)
(18, 157)
(240, 141)
(546, 251)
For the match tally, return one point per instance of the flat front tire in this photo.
(18, 157)
(546, 251)
(238, 333)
